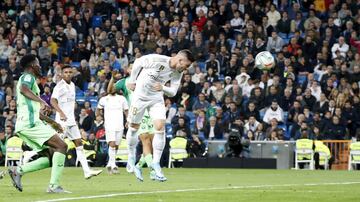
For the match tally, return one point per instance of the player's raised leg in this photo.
(157, 113)
(80, 153)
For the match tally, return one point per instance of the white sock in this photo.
(112, 155)
(82, 158)
(158, 145)
(132, 139)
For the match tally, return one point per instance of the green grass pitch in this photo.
(193, 185)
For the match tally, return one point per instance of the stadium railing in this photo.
(340, 150)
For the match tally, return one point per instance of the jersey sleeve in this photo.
(57, 92)
(120, 85)
(125, 104)
(139, 64)
(28, 80)
(101, 103)
(174, 85)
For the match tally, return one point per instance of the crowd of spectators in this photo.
(313, 90)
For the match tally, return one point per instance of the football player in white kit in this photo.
(63, 101)
(148, 77)
(114, 106)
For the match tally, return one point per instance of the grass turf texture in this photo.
(232, 184)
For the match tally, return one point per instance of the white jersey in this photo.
(150, 69)
(114, 107)
(64, 93)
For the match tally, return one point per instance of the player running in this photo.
(149, 74)
(63, 101)
(114, 106)
(146, 128)
(38, 135)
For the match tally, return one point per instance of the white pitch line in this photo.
(197, 189)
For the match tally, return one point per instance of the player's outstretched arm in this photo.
(24, 90)
(174, 85)
(111, 84)
(55, 104)
(52, 123)
(136, 69)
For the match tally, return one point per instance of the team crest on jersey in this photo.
(161, 68)
(27, 78)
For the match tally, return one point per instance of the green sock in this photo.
(141, 162)
(58, 161)
(148, 160)
(32, 166)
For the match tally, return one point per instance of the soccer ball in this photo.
(264, 60)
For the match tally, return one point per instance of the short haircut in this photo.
(188, 54)
(66, 66)
(27, 60)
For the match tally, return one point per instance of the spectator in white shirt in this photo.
(5, 50)
(70, 32)
(340, 46)
(201, 6)
(252, 124)
(198, 74)
(315, 90)
(237, 23)
(273, 15)
(274, 112)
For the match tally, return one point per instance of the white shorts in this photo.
(156, 109)
(72, 132)
(113, 136)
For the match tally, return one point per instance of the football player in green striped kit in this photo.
(36, 129)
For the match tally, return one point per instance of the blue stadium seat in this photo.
(284, 128)
(93, 101)
(286, 116)
(221, 77)
(192, 117)
(80, 99)
(96, 21)
(168, 130)
(287, 135)
(85, 85)
(301, 79)
(75, 64)
(262, 114)
(202, 66)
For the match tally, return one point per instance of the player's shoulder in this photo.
(156, 58)
(27, 77)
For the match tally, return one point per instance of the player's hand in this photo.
(63, 117)
(114, 73)
(45, 108)
(131, 86)
(57, 127)
(126, 125)
(157, 86)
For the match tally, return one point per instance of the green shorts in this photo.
(146, 126)
(36, 136)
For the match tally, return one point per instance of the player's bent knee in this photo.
(160, 132)
(78, 142)
(135, 126)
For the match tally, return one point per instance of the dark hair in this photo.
(188, 54)
(26, 60)
(65, 66)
